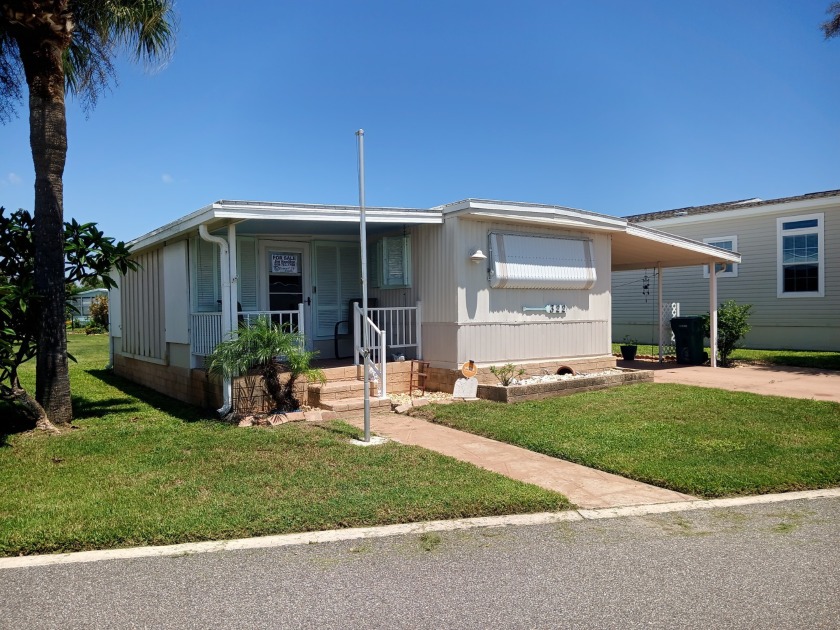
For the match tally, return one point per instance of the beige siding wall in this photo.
(806, 323)
(463, 318)
(142, 296)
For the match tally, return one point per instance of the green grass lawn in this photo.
(792, 358)
(702, 441)
(144, 469)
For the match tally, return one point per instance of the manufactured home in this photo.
(790, 272)
(488, 281)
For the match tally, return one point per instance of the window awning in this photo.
(540, 262)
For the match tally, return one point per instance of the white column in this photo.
(712, 314)
(234, 278)
(661, 313)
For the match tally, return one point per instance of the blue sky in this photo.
(618, 107)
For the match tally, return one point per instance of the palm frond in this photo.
(831, 27)
(145, 29)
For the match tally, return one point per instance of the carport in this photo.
(640, 247)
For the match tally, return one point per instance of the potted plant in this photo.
(629, 346)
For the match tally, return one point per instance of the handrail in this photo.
(377, 355)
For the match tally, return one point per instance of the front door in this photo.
(284, 282)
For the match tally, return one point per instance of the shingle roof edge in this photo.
(722, 207)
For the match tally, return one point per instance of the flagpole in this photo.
(360, 135)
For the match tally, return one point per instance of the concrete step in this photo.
(355, 404)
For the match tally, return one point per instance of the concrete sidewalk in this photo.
(772, 380)
(585, 487)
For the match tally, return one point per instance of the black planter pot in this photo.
(628, 353)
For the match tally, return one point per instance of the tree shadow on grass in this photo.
(13, 420)
(89, 408)
(134, 392)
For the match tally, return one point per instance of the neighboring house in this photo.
(790, 271)
(493, 282)
(81, 302)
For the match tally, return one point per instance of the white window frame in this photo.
(722, 274)
(780, 234)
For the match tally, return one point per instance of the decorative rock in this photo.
(314, 415)
(295, 416)
(247, 421)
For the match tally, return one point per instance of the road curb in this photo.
(357, 533)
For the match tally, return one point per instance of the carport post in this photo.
(713, 313)
(661, 313)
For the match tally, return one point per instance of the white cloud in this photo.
(13, 178)
(166, 178)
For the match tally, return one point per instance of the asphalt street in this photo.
(766, 566)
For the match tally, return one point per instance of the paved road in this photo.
(770, 566)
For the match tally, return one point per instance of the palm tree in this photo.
(266, 351)
(58, 46)
(831, 28)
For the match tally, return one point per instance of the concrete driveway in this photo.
(810, 383)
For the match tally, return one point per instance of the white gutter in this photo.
(224, 258)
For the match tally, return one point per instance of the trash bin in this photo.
(688, 337)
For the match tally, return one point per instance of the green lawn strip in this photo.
(702, 441)
(791, 358)
(135, 473)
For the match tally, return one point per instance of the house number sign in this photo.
(285, 263)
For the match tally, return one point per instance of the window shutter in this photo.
(246, 269)
(338, 278)
(350, 277)
(396, 261)
(373, 258)
(328, 311)
(207, 274)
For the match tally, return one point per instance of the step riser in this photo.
(355, 404)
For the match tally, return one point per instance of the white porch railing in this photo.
(377, 352)
(389, 328)
(206, 328)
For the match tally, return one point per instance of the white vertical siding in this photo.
(533, 341)
(142, 295)
(465, 319)
(176, 290)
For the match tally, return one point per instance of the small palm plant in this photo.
(266, 350)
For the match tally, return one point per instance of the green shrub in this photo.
(99, 311)
(506, 373)
(732, 326)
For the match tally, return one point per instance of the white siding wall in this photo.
(463, 318)
(806, 323)
(176, 291)
(142, 295)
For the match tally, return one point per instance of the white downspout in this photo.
(224, 258)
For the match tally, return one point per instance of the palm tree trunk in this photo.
(42, 42)
(48, 138)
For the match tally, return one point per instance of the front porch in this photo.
(394, 333)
